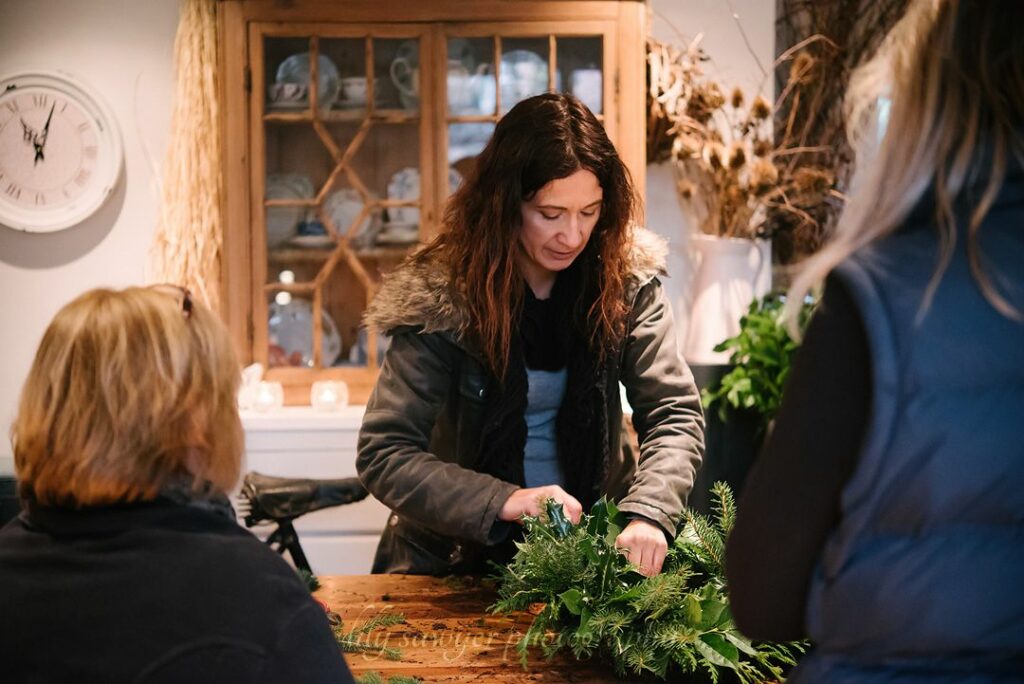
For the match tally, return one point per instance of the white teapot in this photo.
(470, 93)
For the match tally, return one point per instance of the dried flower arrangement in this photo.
(811, 117)
(731, 169)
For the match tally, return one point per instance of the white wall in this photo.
(732, 63)
(124, 50)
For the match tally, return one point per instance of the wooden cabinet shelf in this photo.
(358, 120)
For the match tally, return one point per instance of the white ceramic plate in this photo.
(290, 326)
(343, 206)
(398, 234)
(311, 241)
(405, 186)
(282, 221)
(295, 69)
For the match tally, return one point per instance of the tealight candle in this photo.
(269, 396)
(328, 395)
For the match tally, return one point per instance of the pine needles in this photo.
(377, 678)
(356, 640)
(597, 605)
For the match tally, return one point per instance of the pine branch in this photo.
(352, 640)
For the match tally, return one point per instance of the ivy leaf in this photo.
(627, 595)
(573, 600)
(692, 609)
(715, 648)
(711, 612)
(741, 643)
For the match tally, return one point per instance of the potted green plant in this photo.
(741, 402)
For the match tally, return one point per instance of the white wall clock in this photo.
(60, 151)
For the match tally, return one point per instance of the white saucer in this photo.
(312, 240)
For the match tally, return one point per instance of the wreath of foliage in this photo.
(596, 604)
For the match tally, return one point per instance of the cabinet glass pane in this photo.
(345, 59)
(344, 297)
(386, 163)
(396, 71)
(465, 142)
(579, 68)
(290, 332)
(470, 82)
(524, 70)
(286, 73)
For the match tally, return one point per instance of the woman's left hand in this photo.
(645, 546)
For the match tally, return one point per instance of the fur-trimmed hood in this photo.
(419, 294)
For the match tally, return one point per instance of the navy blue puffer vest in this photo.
(923, 580)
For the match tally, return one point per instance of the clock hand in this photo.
(46, 128)
(40, 140)
(28, 135)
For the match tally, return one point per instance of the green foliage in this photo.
(761, 356)
(359, 640)
(377, 678)
(597, 605)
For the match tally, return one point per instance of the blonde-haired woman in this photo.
(886, 517)
(122, 566)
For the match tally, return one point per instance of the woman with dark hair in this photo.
(885, 517)
(511, 332)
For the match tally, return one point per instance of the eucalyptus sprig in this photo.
(596, 604)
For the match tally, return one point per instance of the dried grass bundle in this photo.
(187, 246)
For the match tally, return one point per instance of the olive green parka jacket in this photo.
(420, 444)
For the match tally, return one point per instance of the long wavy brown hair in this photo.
(541, 139)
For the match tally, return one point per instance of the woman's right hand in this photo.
(530, 501)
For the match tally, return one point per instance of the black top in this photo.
(546, 325)
(154, 592)
(813, 448)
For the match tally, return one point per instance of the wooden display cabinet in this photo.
(347, 125)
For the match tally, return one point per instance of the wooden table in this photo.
(449, 636)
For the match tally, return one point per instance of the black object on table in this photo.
(282, 499)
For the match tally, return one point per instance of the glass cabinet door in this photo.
(343, 189)
(489, 70)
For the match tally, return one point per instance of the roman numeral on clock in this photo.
(40, 100)
(40, 198)
(12, 105)
(13, 190)
(83, 177)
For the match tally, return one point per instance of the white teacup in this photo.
(287, 92)
(353, 90)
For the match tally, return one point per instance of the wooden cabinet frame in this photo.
(242, 24)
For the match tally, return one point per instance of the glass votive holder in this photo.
(269, 396)
(328, 395)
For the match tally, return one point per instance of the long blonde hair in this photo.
(954, 72)
(128, 395)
